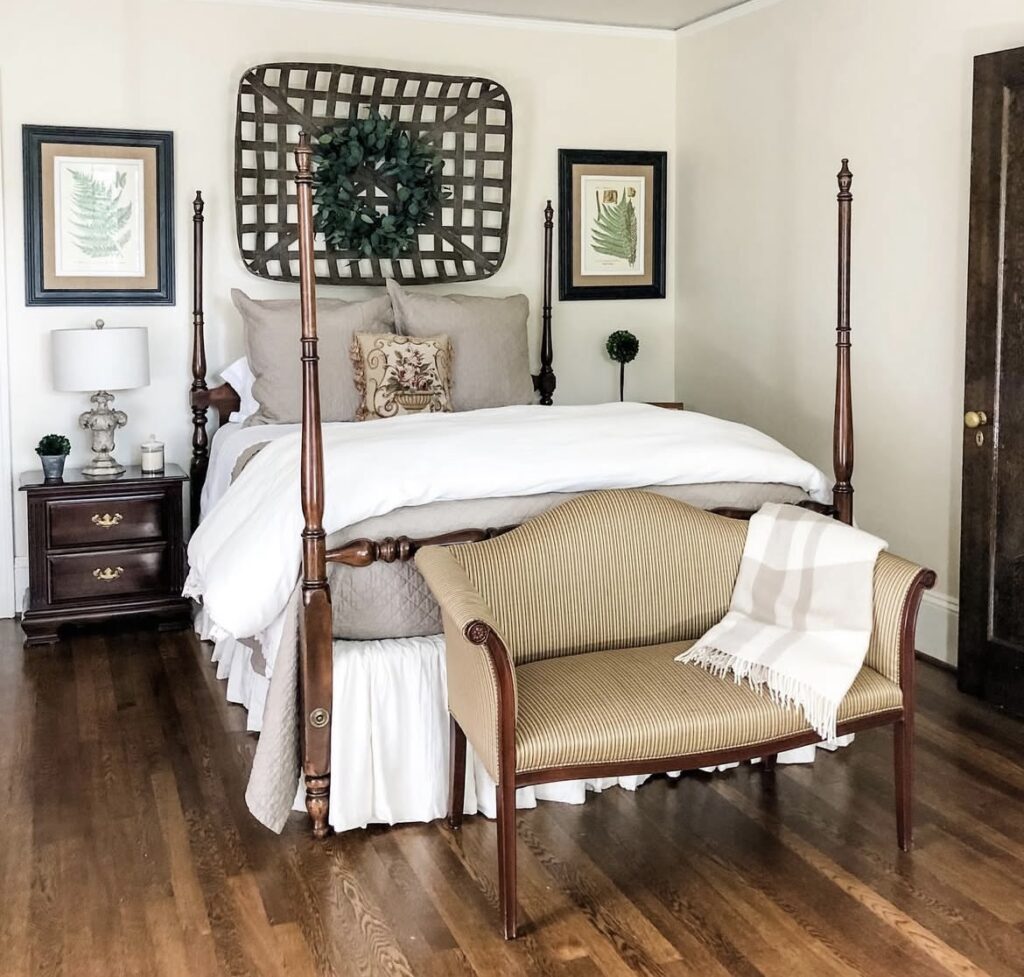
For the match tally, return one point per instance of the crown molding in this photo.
(712, 21)
(385, 11)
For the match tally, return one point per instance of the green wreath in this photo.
(352, 159)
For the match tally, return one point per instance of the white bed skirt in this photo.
(389, 738)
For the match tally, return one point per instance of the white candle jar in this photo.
(152, 456)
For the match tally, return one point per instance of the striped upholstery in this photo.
(472, 683)
(606, 570)
(640, 704)
(593, 599)
(893, 578)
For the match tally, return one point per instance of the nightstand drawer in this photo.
(81, 522)
(112, 573)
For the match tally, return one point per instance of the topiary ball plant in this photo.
(52, 445)
(622, 347)
(53, 450)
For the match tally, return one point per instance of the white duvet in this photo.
(245, 557)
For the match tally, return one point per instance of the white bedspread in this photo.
(245, 556)
(229, 442)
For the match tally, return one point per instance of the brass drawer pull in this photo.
(106, 520)
(108, 573)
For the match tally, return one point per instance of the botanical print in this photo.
(612, 224)
(99, 217)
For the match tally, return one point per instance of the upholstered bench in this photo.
(561, 637)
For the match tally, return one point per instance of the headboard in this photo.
(224, 400)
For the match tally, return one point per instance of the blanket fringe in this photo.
(821, 713)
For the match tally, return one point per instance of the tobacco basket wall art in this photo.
(388, 133)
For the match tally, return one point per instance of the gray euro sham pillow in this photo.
(490, 350)
(272, 329)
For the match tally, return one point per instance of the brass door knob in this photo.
(975, 418)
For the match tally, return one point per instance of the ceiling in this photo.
(658, 14)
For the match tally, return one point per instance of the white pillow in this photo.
(241, 379)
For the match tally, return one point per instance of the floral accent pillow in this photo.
(401, 374)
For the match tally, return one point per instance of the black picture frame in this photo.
(34, 137)
(567, 159)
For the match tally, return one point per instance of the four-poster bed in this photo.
(317, 630)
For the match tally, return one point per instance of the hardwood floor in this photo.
(126, 848)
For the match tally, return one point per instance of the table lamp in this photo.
(102, 360)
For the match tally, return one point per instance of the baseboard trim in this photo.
(20, 583)
(937, 627)
(928, 659)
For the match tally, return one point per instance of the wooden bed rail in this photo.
(400, 549)
(316, 658)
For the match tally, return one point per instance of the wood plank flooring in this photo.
(126, 848)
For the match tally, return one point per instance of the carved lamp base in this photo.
(103, 422)
(104, 466)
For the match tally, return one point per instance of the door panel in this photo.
(991, 641)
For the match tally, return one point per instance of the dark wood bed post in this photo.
(842, 434)
(200, 440)
(315, 654)
(545, 380)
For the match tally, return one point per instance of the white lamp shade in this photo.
(100, 359)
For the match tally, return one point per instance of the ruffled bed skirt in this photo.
(389, 738)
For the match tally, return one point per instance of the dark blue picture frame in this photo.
(33, 138)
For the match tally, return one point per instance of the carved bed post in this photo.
(315, 654)
(546, 377)
(200, 441)
(842, 433)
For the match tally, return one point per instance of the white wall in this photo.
(768, 103)
(7, 600)
(175, 64)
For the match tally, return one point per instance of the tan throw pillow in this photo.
(272, 331)
(490, 350)
(401, 374)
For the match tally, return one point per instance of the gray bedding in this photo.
(392, 600)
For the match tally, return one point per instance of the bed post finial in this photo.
(200, 439)
(315, 658)
(545, 380)
(845, 178)
(842, 433)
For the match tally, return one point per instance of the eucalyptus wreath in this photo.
(352, 159)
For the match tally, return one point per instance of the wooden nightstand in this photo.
(102, 549)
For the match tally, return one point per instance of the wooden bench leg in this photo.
(506, 803)
(457, 770)
(769, 762)
(903, 755)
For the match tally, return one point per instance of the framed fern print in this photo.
(98, 216)
(611, 232)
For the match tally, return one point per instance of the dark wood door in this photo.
(991, 644)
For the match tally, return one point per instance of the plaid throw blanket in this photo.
(801, 612)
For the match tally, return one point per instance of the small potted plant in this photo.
(53, 451)
(622, 347)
